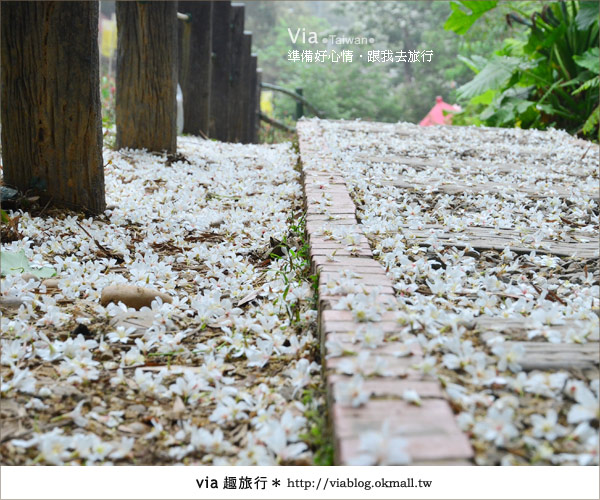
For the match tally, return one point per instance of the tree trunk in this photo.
(195, 65)
(146, 100)
(51, 113)
(236, 110)
(221, 53)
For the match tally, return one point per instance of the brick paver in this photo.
(431, 433)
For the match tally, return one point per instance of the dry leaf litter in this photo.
(217, 373)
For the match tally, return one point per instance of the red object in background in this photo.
(436, 115)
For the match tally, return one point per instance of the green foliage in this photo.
(589, 60)
(295, 271)
(270, 134)
(587, 15)
(319, 438)
(17, 263)
(591, 123)
(550, 79)
(494, 74)
(107, 98)
(460, 21)
(294, 254)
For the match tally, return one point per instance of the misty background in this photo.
(388, 92)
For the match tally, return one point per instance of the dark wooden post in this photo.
(246, 87)
(146, 106)
(251, 111)
(257, 108)
(195, 65)
(51, 113)
(221, 65)
(236, 112)
(299, 104)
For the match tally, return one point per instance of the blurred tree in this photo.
(374, 91)
(418, 25)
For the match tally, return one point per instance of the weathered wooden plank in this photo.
(195, 65)
(246, 79)
(533, 192)
(499, 239)
(511, 140)
(221, 72)
(505, 142)
(548, 356)
(458, 165)
(251, 112)
(517, 329)
(236, 110)
(493, 232)
(256, 127)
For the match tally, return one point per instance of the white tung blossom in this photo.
(381, 448)
(352, 393)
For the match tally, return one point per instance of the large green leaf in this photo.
(588, 84)
(18, 263)
(475, 63)
(460, 20)
(590, 59)
(486, 98)
(592, 121)
(587, 15)
(495, 74)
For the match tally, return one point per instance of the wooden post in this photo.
(257, 108)
(299, 104)
(146, 106)
(51, 112)
(251, 111)
(195, 65)
(246, 87)
(236, 112)
(218, 127)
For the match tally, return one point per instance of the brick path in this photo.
(431, 432)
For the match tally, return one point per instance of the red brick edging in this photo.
(431, 433)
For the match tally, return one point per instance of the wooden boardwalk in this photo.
(411, 163)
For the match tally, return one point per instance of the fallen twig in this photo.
(106, 252)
